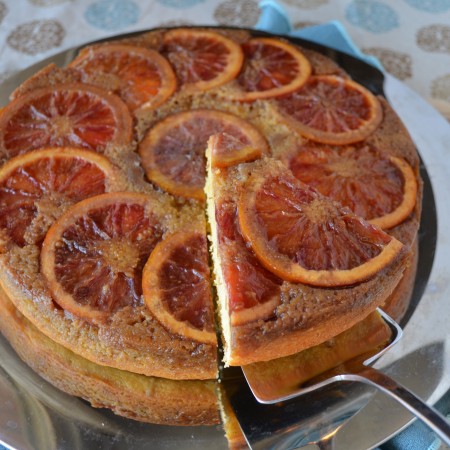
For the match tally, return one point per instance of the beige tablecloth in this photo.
(410, 37)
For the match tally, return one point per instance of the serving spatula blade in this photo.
(285, 378)
(291, 407)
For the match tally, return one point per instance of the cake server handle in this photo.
(430, 416)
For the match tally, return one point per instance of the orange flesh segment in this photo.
(173, 151)
(140, 76)
(379, 188)
(332, 110)
(93, 256)
(202, 59)
(302, 236)
(72, 115)
(271, 68)
(177, 289)
(253, 291)
(36, 187)
(228, 150)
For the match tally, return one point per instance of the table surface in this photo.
(410, 37)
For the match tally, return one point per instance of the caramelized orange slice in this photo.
(253, 291)
(37, 187)
(202, 59)
(271, 68)
(173, 151)
(93, 255)
(66, 115)
(228, 150)
(176, 286)
(304, 237)
(332, 110)
(141, 77)
(377, 187)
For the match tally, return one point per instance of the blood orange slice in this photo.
(271, 68)
(176, 285)
(141, 77)
(332, 110)
(93, 255)
(66, 115)
(37, 187)
(202, 59)
(304, 237)
(253, 292)
(377, 187)
(173, 151)
(228, 150)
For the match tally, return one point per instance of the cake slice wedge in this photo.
(292, 268)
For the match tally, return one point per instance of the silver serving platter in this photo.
(34, 415)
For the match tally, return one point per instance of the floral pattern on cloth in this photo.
(373, 16)
(406, 36)
(112, 14)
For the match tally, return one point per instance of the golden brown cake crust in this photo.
(133, 340)
(396, 305)
(147, 399)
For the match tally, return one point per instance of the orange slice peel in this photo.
(332, 110)
(73, 115)
(142, 77)
(173, 151)
(380, 188)
(176, 286)
(36, 187)
(404, 209)
(202, 59)
(92, 257)
(226, 150)
(304, 237)
(271, 68)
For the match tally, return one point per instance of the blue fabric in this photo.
(274, 18)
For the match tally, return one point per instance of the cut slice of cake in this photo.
(292, 268)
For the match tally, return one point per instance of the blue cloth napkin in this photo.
(273, 18)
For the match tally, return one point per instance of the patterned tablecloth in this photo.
(410, 37)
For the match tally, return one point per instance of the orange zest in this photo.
(202, 59)
(37, 187)
(271, 68)
(177, 289)
(304, 237)
(331, 110)
(173, 151)
(381, 189)
(93, 256)
(72, 115)
(142, 77)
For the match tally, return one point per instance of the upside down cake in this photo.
(115, 255)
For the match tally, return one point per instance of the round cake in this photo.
(114, 251)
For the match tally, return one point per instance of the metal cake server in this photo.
(279, 413)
